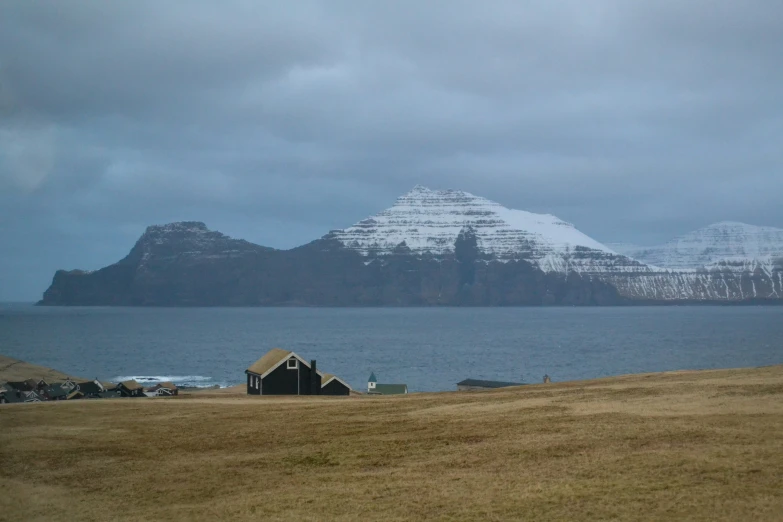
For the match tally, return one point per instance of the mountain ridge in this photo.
(430, 248)
(430, 220)
(725, 243)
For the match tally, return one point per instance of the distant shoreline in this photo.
(17, 370)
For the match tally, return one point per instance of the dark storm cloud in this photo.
(278, 121)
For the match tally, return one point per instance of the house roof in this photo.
(10, 397)
(487, 384)
(131, 385)
(74, 395)
(391, 389)
(31, 396)
(372, 377)
(272, 359)
(328, 377)
(167, 385)
(269, 360)
(56, 390)
(90, 387)
(19, 385)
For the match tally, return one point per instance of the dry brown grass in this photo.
(695, 445)
(16, 370)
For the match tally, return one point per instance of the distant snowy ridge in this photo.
(723, 262)
(727, 245)
(443, 248)
(428, 222)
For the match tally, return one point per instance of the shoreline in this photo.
(15, 369)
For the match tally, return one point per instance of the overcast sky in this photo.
(278, 121)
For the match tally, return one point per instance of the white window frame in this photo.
(295, 365)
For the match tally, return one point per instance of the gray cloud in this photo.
(277, 122)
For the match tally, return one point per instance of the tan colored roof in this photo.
(271, 358)
(167, 384)
(108, 385)
(131, 385)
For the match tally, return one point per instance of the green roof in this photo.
(56, 390)
(390, 389)
(372, 377)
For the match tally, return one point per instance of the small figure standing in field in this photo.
(547, 380)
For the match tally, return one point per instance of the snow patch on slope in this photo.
(727, 245)
(428, 222)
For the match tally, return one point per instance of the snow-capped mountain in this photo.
(428, 222)
(431, 248)
(720, 245)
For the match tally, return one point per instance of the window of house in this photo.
(293, 364)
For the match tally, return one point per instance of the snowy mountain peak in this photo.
(178, 227)
(730, 224)
(429, 222)
(728, 243)
(420, 188)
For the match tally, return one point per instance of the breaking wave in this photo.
(192, 381)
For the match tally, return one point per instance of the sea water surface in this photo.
(430, 349)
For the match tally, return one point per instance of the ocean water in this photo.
(430, 349)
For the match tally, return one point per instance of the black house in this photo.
(130, 389)
(283, 372)
(90, 389)
(333, 385)
(57, 392)
(28, 385)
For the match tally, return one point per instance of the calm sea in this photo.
(430, 349)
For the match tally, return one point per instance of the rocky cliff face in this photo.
(157, 269)
(430, 248)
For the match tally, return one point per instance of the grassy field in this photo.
(16, 370)
(696, 445)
